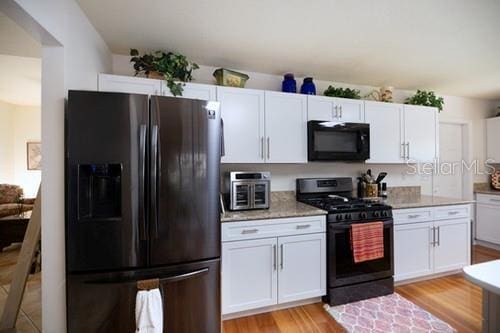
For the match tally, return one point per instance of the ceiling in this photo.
(20, 65)
(450, 46)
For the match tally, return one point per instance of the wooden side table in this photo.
(13, 228)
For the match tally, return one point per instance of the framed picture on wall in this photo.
(34, 155)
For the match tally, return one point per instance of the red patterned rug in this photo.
(391, 313)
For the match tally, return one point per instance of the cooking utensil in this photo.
(380, 177)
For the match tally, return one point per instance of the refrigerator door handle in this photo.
(142, 180)
(154, 179)
(174, 278)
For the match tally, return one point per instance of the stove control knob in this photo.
(348, 216)
(385, 214)
(376, 214)
(362, 215)
(339, 217)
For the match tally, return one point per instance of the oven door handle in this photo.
(347, 225)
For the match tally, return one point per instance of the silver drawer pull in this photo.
(453, 213)
(303, 226)
(495, 200)
(249, 231)
(414, 216)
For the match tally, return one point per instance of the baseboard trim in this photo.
(427, 277)
(487, 244)
(270, 308)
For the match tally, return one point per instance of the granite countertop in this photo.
(415, 201)
(283, 204)
(485, 188)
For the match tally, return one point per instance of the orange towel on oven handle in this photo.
(367, 241)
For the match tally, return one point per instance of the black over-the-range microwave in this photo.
(336, 141)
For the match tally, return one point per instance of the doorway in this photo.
(451, 179)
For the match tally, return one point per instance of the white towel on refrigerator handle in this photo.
(149, 311)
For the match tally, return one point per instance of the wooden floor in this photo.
(451, 298)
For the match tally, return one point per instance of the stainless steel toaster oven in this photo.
(248, 190)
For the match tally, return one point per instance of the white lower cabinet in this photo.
(435, 243)
(302, 267)
(487, 218)
(263, 272)
(249, 274)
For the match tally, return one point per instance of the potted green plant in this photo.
(342, 92)
(426, 98)
(173, 67)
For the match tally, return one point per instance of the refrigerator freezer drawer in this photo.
(105, 302)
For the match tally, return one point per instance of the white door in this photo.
(350, 110)
(321, 108)
(412, 250)
(302, 267)
(420, 133)
(493, 139)
(129, 84)
(448, 182)
(286, 127)
(204, 92)
(452, 245)
(488, 223)
(242, 112)
(386, 132)
(249, 274)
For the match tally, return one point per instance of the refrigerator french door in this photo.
(142, 180)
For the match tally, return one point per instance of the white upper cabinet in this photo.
(402, 133)
(386, 132)
(204, 92)
(335, 109)
(493, 138)
(285, 128)
(129, 84)
(242, 111)
(421, 137)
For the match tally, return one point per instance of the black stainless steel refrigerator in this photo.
(142, 202)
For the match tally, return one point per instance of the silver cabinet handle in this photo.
(275, 257)
(303, 226)
(281, 255)
(340, 107)
(439, 236)
(403, 151)
(249, 231)
(414, 216)
(453, 213)
(433, 242)
(336, 107)
(495, 200)
(408, 150)
(268, 148)
(262, 147)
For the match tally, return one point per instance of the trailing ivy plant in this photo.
(426, 98)
(342, 92)
(174, 67)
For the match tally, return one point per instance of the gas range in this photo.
(335, 196)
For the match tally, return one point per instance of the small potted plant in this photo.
(426, 98)
(342, 92)
(172, 67)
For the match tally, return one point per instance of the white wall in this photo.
(72, 55)
(458, 109)
(22, 124)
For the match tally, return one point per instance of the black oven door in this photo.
(343, 271)
(333, 141)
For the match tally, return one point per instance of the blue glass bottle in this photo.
(308, 87)
(289, 84)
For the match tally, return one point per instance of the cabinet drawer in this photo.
(232, 231)
(488, 199)
(404, 216)
(451, 212)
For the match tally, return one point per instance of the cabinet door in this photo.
(452, 249)
(320, 108)
(286, 127)
(488, 223)
(129, 84)
(204, 92)
(493, 138)
(249, 274)
(386, 132)
(413, 250)
(420, 133)
(242, 111)
(302, 267)
(349, 110)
